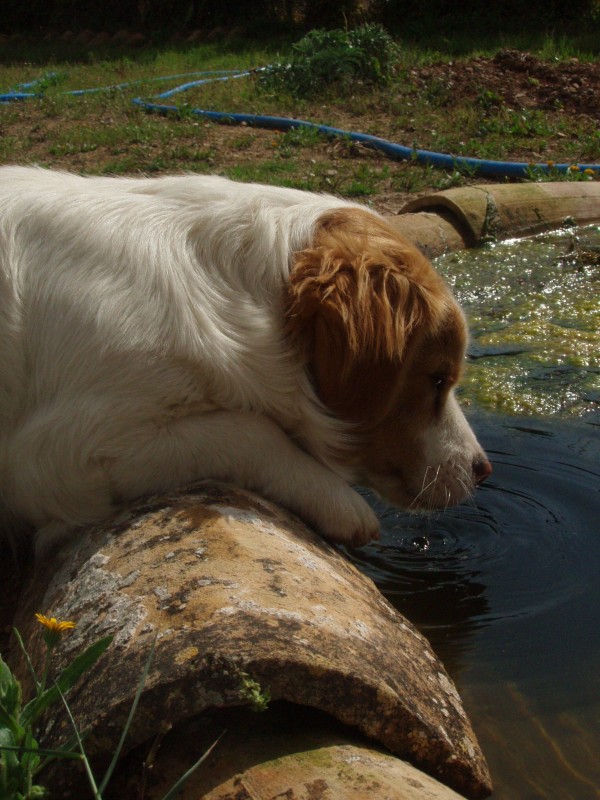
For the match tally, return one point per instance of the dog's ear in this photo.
(354, 300)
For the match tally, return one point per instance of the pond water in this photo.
(507, 587)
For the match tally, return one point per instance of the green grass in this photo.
(104, 133)
(439, 44)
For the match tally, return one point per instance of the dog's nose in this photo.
(482, 469)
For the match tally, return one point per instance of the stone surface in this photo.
(235, 589)
(433, 233)
(331, 772)
(288, 753)
(503, 210)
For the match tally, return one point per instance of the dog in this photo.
(159, 331)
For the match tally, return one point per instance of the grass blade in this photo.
(41, 751)
(178, 786)
(67, 678)
(86, 763)
(52, 755)
(134, 706)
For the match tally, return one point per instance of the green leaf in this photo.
(30, 758)
(9, 723)
(67, 678)
(11, 772)
(10, 690)
(21, 644)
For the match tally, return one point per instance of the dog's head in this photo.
(385, 341)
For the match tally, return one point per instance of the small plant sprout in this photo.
(252, 691)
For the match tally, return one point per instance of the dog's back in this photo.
(159, 331)
(126, 303)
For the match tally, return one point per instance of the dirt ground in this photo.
(517, 79)
(510, 80)
(521, 80)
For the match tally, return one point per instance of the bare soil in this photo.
(521, 80)
(514, 80)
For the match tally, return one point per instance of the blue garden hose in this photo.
(397, 152)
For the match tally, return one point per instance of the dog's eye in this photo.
(439, 383)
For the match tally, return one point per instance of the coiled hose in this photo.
(397, 152)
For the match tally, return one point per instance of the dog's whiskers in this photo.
(425, 487)
(467, 485)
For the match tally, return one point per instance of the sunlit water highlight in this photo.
(534, 315)
(507, 587)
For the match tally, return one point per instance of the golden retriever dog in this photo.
(157, 332)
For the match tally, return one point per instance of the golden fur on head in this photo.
(355, 299)
(363, 278)
(384, 342)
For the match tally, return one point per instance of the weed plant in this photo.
(338, 59)
(104, 133)
(22, 759)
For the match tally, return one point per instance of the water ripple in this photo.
(527, 542)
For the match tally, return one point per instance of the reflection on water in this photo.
(534, 314)
(507, 587)
(507, 590)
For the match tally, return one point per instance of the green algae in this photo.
(533, 307)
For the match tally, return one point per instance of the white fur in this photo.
(141, 348)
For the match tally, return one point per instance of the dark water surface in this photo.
(507, 587)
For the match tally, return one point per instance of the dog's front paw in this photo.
(350, 521)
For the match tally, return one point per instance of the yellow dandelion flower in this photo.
(550, 164)
(54, 629)
(53, 625)
(589, 171)
(574, 168)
